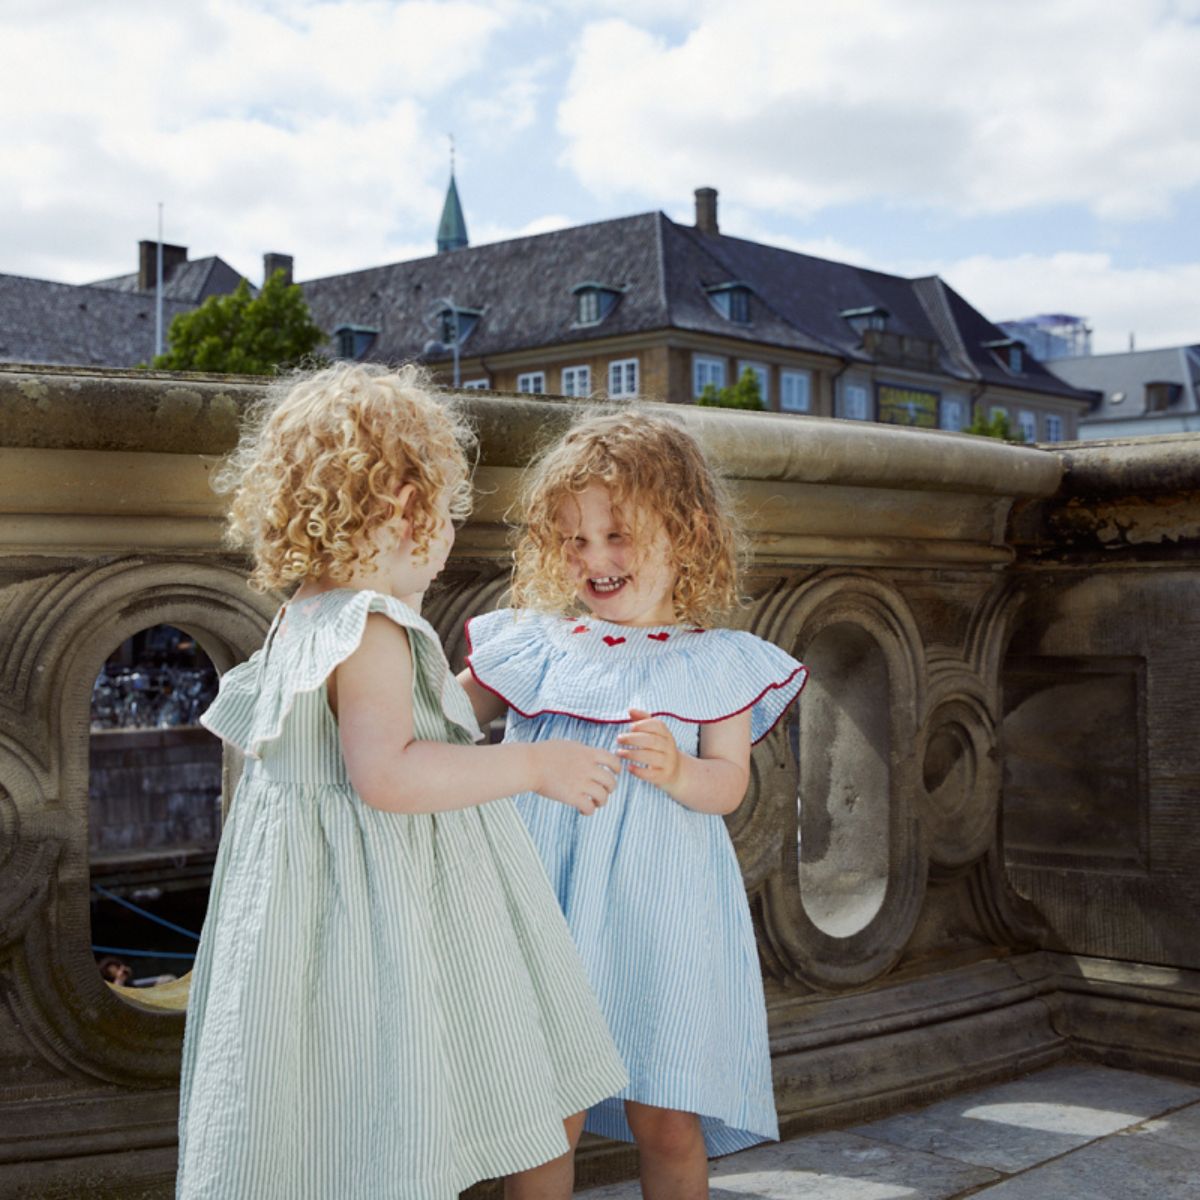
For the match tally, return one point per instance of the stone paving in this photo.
(1071, 1132)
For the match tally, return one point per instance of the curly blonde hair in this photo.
(655, 472)
(321, 460)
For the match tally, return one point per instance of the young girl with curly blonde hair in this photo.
(386, 1001)
(627, 552)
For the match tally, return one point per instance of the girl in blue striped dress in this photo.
(627, 550)
(386, 1003)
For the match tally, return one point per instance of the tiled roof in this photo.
(63, 323)
(192, 281)
(976, 330)
(1126, 375)
(523, 290)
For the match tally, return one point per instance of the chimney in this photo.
(706, 210)
(277, 262)
(148, 263)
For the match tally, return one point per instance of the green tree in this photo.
(744, 394)
(997, 426)
(243, 334)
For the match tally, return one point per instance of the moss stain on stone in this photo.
(179, 404)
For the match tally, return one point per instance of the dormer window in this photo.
(732, 301)
(1162, 395)
(1010, 352)
(871, 318)
(594, 301)
(451, 330)
(353, 341)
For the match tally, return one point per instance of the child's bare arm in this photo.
(371, 694)
(712, 782)
(487, 705)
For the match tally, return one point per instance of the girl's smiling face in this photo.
(617, 580)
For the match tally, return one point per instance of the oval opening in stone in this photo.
(843, 745)
(154, 807)
(947, 768)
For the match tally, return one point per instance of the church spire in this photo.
(452, 229)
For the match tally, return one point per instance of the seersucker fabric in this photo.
(651, 889)
(384, 1006)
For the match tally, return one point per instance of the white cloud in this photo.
(981, 107)
(511, 107)
(492, 232)
(298, 126)
(1158, 304)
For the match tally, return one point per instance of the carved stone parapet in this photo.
(986, 795)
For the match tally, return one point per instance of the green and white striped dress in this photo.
(384, 1006)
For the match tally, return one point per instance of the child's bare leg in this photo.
(674, 1164)
(554, 1180)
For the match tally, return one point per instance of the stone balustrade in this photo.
(973, 848)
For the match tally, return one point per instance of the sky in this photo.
(1040, 155)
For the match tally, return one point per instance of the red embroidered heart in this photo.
(580, 629)
(612, 641)
(658, 637)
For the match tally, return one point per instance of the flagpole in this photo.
(158, 297)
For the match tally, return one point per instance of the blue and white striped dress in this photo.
(651, 889)
(385, 1006)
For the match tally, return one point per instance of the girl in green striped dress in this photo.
(386, 1003)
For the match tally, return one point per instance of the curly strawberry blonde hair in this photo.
(655, 472)
(321, 460)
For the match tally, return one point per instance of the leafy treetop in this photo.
(243, 334)
(744, 394)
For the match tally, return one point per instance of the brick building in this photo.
(644, 305)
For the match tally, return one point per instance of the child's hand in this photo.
(649, 750)
(574, 774)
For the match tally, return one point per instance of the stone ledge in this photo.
(177, 413)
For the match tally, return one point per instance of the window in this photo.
(533, 382)
(594, 301)
(795, 391)
(450, 329)
(353, 341)
(1027, 424)
(1009, 352)
(1053, 426)
(706, 371)
(998, 410)
(477, 384)
(872, 317)
(1161, 396)
(952, 415)
(854, 402)
(732, 301)
(576, 381)
(623, 377)
(588, 312)
(760, 373)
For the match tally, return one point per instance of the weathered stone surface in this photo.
(1119, 1168)
(1181, 1128)
(1063, 1132)
(829, 1166)
(1017, 1125)
(901, 961)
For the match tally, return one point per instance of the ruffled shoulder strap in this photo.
(305, 644)
(753, 674)
(589, 669)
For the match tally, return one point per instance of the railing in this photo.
(1000, 638)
